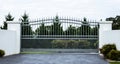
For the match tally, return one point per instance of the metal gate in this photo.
(60, 33)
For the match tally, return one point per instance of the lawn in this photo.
(114, 62)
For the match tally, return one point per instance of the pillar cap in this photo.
(13, 22)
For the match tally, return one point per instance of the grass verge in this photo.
(114, 62)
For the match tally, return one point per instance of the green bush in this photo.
(114, 55)
(59, 44)
(70, 44)
(107, 48)
(83, 44)
(2, 53)
(96, 44)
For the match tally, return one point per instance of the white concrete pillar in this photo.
(16, 26)
(103, 26)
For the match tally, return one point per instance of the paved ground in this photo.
(58, 58)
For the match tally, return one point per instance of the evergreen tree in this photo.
(94, 30)
(41, 30)
(116, 22)
(7, 18)
(0, 27)
(85, 28)
(56, 28)
(71, 30)
(26, 28)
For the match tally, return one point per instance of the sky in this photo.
(91, 9)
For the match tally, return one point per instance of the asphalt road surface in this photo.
(57, 58)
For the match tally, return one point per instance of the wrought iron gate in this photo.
(59, 32)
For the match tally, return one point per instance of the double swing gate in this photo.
(60, 33)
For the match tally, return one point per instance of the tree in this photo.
(26, 28)
(116, 22)
(85, 28)
(94, 30)
(56, 28)
(0, 27)
(41, 30)
(7, 18)
(71, 30)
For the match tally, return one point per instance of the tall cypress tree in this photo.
(85, 28)
(41, 30)
(56, 28)
(7, 18)
(26, 28)
(71, 30)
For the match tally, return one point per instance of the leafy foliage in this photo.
(83, 44)
(70, 44)
(42, 30)
(59, 44)
(96, 44)
(85, 27)
(110, 52)
(107, 48)
(116, 22)
(7, 18)
(114, 55)
(56, 28)
(94, 30)
(26, 28)
(71, 30)
(2, 53)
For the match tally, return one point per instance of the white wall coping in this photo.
(13, 22)
(5, 30)
(106, 22)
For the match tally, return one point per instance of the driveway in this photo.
(57, 58)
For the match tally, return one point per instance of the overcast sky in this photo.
(92, 9)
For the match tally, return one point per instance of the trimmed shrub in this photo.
(114, 55)
(70, 44)
(83, 44)
(2, 53)
(96, 44)
(107, 48)
(59, 44)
